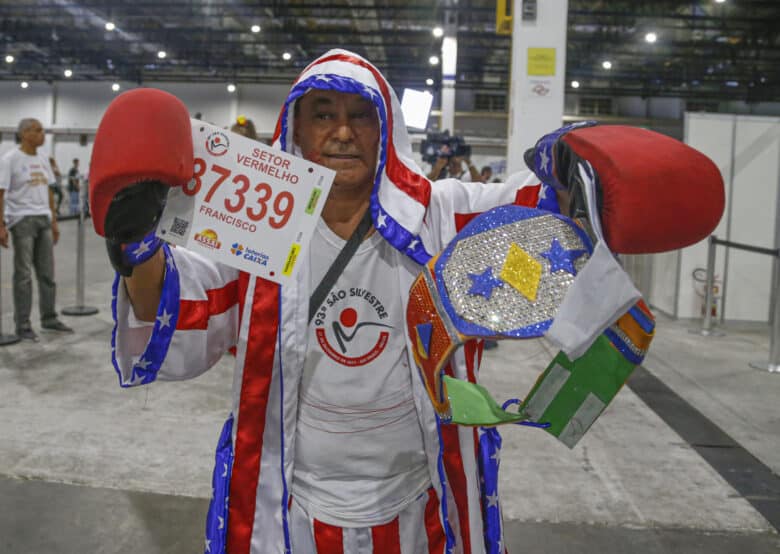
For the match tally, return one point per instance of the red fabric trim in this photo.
(643, 307)
(386, 538)
(528, 196)
(433, 527)
(195, 314)
(456, 476)
(416, 186)
(255, 386)
(461, 220)
(328, 539)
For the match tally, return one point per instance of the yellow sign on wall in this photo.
(504, 17)
(541, 62)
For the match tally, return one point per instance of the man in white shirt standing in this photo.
(30, 215)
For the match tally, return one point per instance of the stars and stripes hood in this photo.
(401, 192)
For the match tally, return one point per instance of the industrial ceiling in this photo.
(704, 48)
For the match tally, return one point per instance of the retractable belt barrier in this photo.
(4, 339)
(80, 308)
(773, 365)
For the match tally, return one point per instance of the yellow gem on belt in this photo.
(522, 271)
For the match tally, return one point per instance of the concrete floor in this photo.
(88, 467)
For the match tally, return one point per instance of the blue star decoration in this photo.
(484, 283)
(561, 258)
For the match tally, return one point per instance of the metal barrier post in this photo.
(5, 339)
(80, 308)
(773, 366)
(706, 325)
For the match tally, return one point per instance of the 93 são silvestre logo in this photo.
(245, 203)
(350, 336)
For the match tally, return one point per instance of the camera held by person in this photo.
(446, 154)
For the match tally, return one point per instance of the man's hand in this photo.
(55, 231)
(437, 168)
(3, 236)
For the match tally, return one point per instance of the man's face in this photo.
(33, 135)
(341, 132)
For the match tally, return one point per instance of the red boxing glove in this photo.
(144, 137)
(654, 193)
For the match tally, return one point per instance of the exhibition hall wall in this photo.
(746, 149)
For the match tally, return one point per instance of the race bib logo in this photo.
(342, 336)
(217, 143)
(208, 238)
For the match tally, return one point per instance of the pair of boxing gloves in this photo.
(653, 193)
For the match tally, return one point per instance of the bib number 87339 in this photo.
(255, 207)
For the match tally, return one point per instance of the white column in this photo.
(449, 66)
(537, 78)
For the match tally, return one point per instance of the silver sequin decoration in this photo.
(507, 309)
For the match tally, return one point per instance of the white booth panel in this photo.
(711, 134)
(18, 103)
(665, 269)
(753, 217)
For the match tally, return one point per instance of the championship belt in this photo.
(504, 276)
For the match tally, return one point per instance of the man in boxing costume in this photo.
(332, 445)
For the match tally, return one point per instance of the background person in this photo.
(30, 216)
(74, 186)
(56, 185)
(244, 127)
(485, 174)
(452, 167)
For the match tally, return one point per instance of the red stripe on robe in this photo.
(328, 539)
(255, 388)
(386, 538)
(195, 314)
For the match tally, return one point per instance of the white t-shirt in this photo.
(359, 454)
(25, 179)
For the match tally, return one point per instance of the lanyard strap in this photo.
(341, 261)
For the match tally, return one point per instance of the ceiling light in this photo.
(9, 59)
(110, 26)
(575, 84)
(68, 73)
(255, 28)
(162, 54)
(606, 64)
(433, 60)
(231, 87)
(24, 84)
(429, 81)
(732, 84)
(286, 56)
(719, 1)
(438, 32)
(651, 37)
(115, 87)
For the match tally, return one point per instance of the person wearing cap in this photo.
(27, 203)
(333, 444)
(244, 127)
